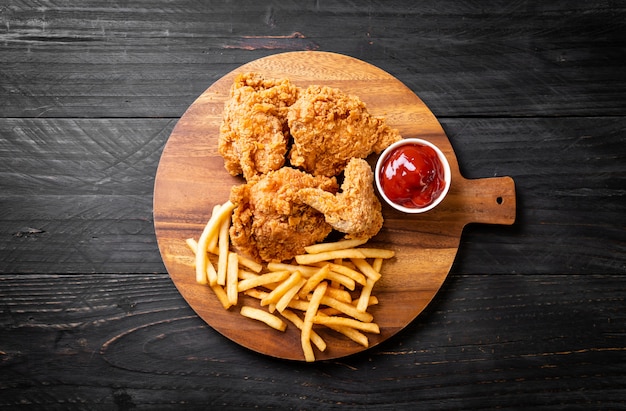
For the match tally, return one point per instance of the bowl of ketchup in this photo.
(412, 175)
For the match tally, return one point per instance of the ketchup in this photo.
(412, 176)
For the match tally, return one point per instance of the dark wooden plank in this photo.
(570, 177)
(81, 156)
(76, 195)
(85, 188)
(98, 59)
(85, 324)
(97, 341)
(78, 233)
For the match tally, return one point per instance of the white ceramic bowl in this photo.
(442, 158)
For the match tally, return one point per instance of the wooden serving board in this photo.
(191, 179)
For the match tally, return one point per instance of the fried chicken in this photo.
(330, 127)
(270, 223)
(356, 210)
(280, 209)
(254, 135)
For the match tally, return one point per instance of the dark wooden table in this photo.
(531, 314)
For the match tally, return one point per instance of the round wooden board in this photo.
(191, 179)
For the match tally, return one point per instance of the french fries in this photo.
(339, 245)
(331, 285)
(278, 292)
(262, 279)
(232, 277)
(223, 244)
(306, 259)
(307, 326)
(261, 315)
(208, 234)
(299, 323)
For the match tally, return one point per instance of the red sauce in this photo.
(412, 176)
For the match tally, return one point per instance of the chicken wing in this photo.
(356, 210)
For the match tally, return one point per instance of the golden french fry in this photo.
(300, 305)
(305, 270)
(211, 273)
(333, 311)
(314, 280)
(262, 280)
(246, 275)
(263, 316)
(339, 294)
(224, 245)
(221, 296)
(211, 243)
(307, 326)
(347, 309)
(324, 273)
(345, 270)
(346, 322)
(201, 245)
(377, 253)
(308, 259)
(366, 268)
(377, 264)
(289, 295)
(249, 263)
(298, 322)
(341, 279)
(281, 289)
(271, 308)
(256, 293)
(210, 230)
(232, 274)
(364, 298)
(193, 244)
(351, 333)
(337, 245)
(329, 311)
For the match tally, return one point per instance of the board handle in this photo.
(493, 202)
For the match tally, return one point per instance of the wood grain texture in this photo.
(531, 315)
(78, 194)
(501, 334)
(84, 212)
(191, 180)
(517, 58)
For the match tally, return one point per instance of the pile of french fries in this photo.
(317, 289)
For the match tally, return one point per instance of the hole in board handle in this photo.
(499, 200)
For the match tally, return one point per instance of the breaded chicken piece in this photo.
(356, 210)
(270, 223)
(330, 127)
(254, 135)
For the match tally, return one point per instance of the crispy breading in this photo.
(254, 135)
(270, 223)
(329, 127)
(356, 210)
